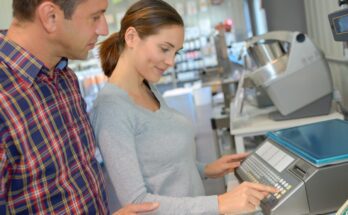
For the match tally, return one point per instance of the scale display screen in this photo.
(339, 24)
(274, 156)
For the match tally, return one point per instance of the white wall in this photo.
(5, 13)
(319, 30)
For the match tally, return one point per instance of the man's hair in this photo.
(25, 9)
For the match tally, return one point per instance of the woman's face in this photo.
(156, 53)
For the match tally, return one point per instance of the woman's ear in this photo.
(47, 13)
(131, 37)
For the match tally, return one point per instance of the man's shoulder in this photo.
(69, 73)
(5, 73)
(6, 83)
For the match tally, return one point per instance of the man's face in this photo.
(78, 35)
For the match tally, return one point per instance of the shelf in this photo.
(188, 80)
(190, 70)
(189, 60)
(164, 83)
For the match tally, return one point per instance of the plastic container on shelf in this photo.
(202, 96)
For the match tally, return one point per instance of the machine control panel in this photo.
(261, 174)
(308, 164)
(268, 165)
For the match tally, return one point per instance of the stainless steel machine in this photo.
(308, 164)
(293, 73)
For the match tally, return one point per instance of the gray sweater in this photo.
(150, 156)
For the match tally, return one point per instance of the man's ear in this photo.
(47, 13)
(131, 37)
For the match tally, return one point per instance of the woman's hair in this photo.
(147, 17)
(25, 9)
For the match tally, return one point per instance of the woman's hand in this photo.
(224, 165)
(244, 198)
(134, 209)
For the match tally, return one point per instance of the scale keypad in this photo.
(258, 172)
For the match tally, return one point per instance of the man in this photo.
(47, 146)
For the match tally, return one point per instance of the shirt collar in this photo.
(22, 61)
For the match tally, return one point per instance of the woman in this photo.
(148, 148)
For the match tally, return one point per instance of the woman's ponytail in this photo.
(109, 53)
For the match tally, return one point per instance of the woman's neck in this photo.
(126, 77)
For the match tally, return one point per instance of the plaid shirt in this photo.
(47, 148)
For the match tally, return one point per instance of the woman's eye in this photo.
(96, 18)
(165, 49)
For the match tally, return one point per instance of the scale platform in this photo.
(321, 144)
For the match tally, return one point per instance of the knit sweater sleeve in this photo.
(201, 167)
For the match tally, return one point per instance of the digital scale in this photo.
(308, 164)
